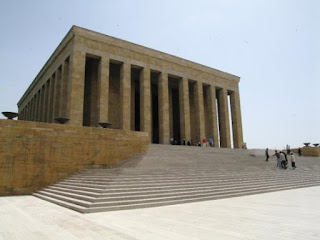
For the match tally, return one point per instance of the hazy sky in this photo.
(273, 45)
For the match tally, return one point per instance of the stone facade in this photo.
(34, 154)
(92, 78)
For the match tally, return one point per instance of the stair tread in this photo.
(176, 174)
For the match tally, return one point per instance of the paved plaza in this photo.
(291, 214)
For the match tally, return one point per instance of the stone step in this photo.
(62, 203)
(225, 182)
(106, 180)
(162, 201)
(87, 189)
(179, 192)
(191, 199)
(80, 192)
(168, 175)
(178, 188)
(178, 174)
(143, 184)
(72, 200)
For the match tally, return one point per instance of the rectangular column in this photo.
(224, 126)
(64, 85)
(32, 109)
(163, 101)
(132, 110)
(236, 119)
(42, 102)
(184, 109)
(46, 101)
(50, 99)
(75, 87)
(56, 94)
(28, 112)
(145, 101)
(103, 90)
(170, 113)
(125, 99)
(212, 111)
(199, 110)
(37, 106)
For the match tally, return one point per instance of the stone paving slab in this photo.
(291, 214)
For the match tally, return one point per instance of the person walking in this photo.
(278, 158)
(284, 160)
(293, 160)
(204, 142)
(267, 155)
(299, 151)
(288, 149)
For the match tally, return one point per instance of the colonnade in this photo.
(92, 89)
(48, 101)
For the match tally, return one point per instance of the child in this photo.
(293, 160)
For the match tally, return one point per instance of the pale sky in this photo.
(273, 45)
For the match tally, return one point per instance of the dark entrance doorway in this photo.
(176, 115)
(174, 109)
(90, 92)
(155, 106)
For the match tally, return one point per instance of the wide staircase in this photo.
(167, 175)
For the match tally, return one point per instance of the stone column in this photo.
(184, 109)
(212, 111)
(224, 126)
(132, 110)
(28, 112)
(145, 101)
(103, 90)
(33, 109)
(64, 91)
(31, 112)
(50, 99)
(56, 94)
(37, 106)
(163, 101)
(170, 113)
(21, 114)
(75, 87)
(125, 99)
(46, 101)
(199, 110)
(236, 119)
(42, 91)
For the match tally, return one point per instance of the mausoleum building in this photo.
(93, 78)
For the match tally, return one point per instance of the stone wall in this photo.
(308, 151)
(34, 154)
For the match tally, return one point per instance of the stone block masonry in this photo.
(35, 154)
(92, 78)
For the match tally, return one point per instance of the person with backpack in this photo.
(284, 160)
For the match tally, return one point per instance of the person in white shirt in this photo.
(293, 160)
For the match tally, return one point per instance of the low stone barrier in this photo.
(308, 151)
(34, 154)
